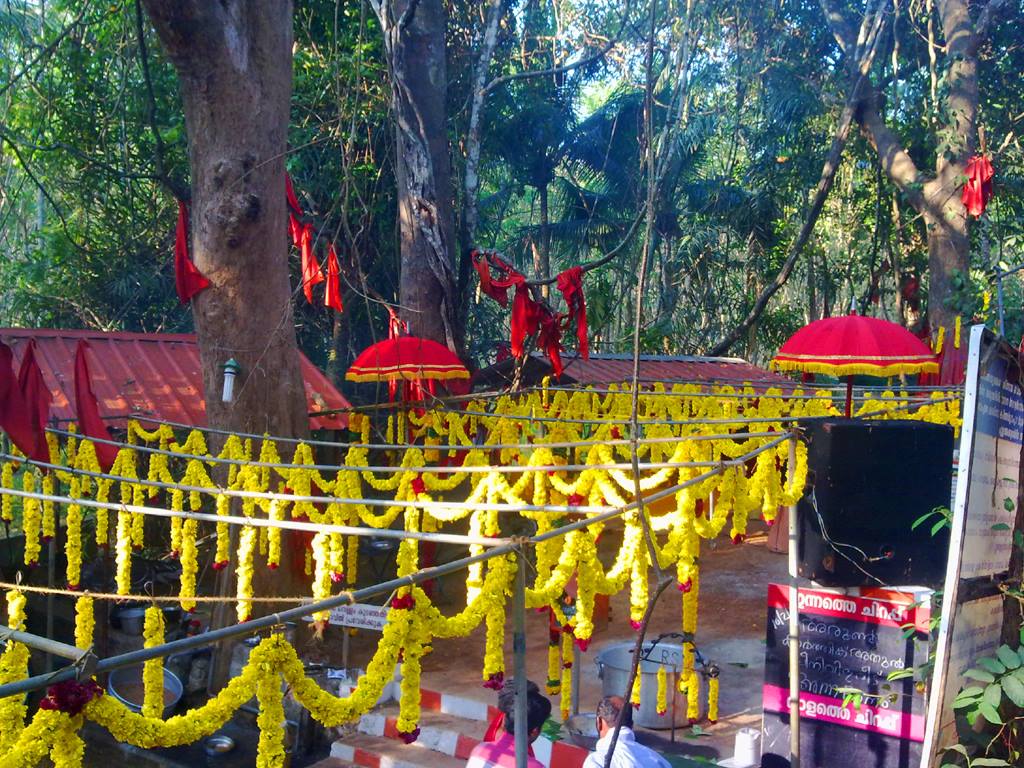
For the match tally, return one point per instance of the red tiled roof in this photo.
(602, 370)
(609, 369)
(156, 374)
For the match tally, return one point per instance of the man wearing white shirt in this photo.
(629, 753)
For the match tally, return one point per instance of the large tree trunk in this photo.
(233, 60)
(937, 199)
(414, 36)
(234, 63)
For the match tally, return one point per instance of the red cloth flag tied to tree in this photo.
(570, 283)
(187, 278)
(496, 288)
(294, 212)
(978, 188)
(15, 413)
(37, 398)
(90, 424)
(332, 297)
(311, 272)
(529, 316)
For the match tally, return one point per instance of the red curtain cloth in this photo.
(187, 278)
(15, 418)
(37, 398)
(311, 272)
(90, 424)
(570, 283)
(332, 297)
(978, 188)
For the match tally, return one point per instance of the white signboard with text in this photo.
(984, 513)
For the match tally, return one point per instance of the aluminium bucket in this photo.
(613, 665)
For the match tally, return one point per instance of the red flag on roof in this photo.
(37, 399)
(90, 424)
(15, 417)
(311, 272)
(187, 278)
(332, 297)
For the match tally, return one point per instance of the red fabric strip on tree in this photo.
(570, 283)
(187, 278)
(497, 289)
(295, 230)
(524, 316)
(978, 187)
(289, 193)
(311, 272)
(37, 398)
(550, 338)
(332, 297)
(15, 414)
(90, 424)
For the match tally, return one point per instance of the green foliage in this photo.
(86, 224)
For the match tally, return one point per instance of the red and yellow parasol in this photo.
(406, 358)
(854, 345)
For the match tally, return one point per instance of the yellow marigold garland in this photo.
(247, 540)
(662, 700)
(30, 518)
(13, 666)
(153, 669)
(85, 622)
(271, 719)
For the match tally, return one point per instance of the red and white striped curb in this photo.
(451, 742)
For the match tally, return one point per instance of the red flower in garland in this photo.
(411, 736)
(403, 602)
(70, 696)
(495, 682)
(417, 485)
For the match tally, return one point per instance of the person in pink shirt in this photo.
(502, 752)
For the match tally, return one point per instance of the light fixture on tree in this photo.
(231, 369)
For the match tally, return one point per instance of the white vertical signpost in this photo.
(984, 513)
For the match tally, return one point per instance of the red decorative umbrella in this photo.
(855, 345)
(406, 358)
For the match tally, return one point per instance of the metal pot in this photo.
(125, 685)
(132, 620)
(613, 665)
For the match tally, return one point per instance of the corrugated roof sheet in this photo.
(609, 369)
(602, 370)
(156, 374)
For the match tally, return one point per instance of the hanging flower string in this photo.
(696, 435)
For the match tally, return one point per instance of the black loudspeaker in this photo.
(868, 481)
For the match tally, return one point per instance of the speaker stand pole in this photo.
(794, 626)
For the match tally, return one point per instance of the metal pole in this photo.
(577, 670)
(999, 301)
(794, 625)
(522, 735)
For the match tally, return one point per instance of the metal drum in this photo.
(613, 665)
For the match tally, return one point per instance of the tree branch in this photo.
(180, 191)
(825, 182)
(49, 198)
(565, 67)
(47, 51)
